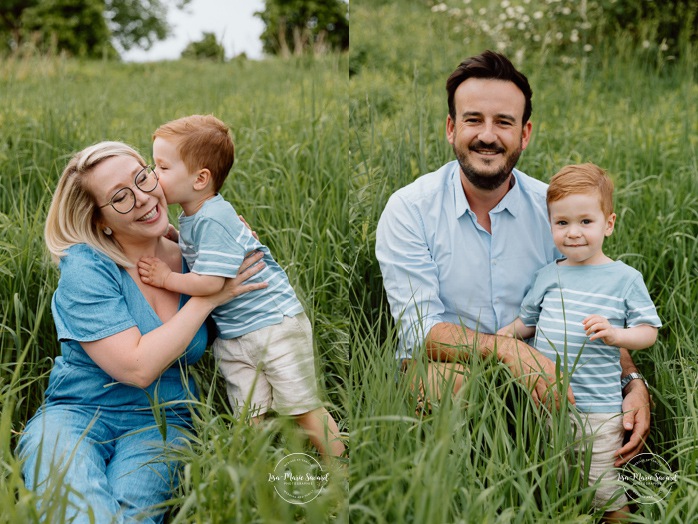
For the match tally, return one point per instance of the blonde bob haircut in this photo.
(73, 217)
(582, 179)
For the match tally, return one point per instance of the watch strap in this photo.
(624, 381)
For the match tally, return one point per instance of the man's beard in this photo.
(488, 181)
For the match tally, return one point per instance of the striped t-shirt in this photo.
(214, 241)
(560, 298)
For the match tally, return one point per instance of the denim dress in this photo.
(108, 439)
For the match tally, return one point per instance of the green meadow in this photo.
(290, 181)
(321, 143)
(486, 456)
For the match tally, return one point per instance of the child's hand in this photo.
(153, 271)
(598, 327)
(507, 331)
(172, 233)
(517, 329)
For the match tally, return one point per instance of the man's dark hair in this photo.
(492, 66)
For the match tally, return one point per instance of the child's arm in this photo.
(517, 329)
(638, 337)
(155, 272)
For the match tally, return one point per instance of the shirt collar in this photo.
(511, 201)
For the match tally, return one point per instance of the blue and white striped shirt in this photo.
(214, 241)
(563, 296)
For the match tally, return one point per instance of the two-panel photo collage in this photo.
(330, 261)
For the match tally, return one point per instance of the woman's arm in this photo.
(133, 358)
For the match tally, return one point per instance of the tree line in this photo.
(105, 28)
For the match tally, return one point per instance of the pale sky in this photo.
(232, 21)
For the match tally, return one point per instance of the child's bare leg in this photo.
(257, 420)
(619, 515)
(322, 431)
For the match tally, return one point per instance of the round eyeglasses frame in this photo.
(148, 171)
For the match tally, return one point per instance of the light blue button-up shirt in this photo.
(440, 265)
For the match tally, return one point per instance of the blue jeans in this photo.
(103, 462)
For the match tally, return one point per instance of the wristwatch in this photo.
(624, 381)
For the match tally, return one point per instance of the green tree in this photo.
(75, 26)
(298, 26)
(10, 20)
(139, 23)
(85, 27)
(208, 48)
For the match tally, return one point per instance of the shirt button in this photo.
(494, 262)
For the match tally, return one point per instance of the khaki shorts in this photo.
(271, 368)
(604, 432)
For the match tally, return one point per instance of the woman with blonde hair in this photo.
(125, 346)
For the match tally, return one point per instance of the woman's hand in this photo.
(172, 233)
(237, 286)
(242, 219)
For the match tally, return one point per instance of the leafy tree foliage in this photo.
(208, 48)
(84, 27)
(670, 20)
(297, 26)
(75, 26)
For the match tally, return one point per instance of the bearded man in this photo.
(459, 247)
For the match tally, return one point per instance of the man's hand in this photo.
(153, 271)
(448, 342)
(636, 418)
(535, 369)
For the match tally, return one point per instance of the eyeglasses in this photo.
(124, 200)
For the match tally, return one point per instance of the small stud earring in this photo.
(107, 231)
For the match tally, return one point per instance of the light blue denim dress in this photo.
(107, 438)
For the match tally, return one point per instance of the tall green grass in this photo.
(484, 456)
(290, 181)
